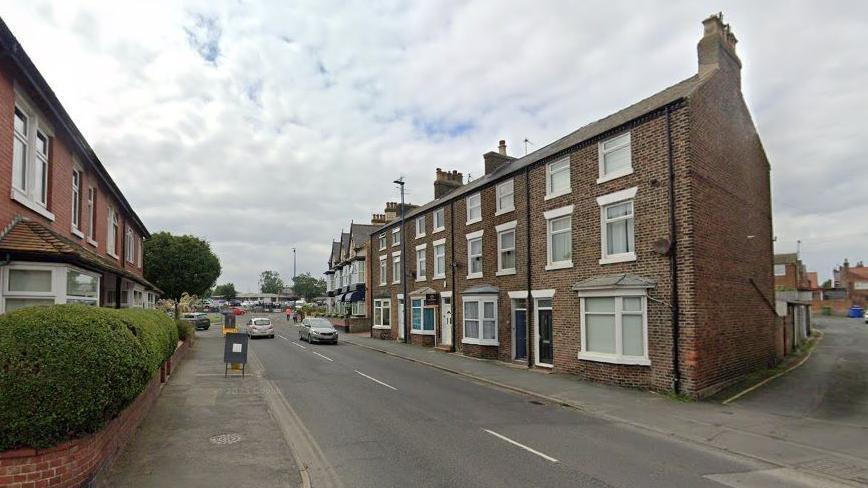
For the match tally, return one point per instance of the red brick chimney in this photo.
(716, 49)
(494, 160)
(445, 182)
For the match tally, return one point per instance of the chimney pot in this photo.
(501, 148)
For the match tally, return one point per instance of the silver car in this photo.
(317, 330)
(259, 327)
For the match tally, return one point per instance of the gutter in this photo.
(673, 257)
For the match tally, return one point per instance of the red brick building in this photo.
(636, 250)
(67, 234)
(790, 273)
(854, 281)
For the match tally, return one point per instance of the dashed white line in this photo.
(297, 344)
(284, 338)
(324, 357)
(528, 449)
(375, 380)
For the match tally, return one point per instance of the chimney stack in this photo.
(378, 219)
(716, 49)
(445, 182)
(494, 160)
(391, 212)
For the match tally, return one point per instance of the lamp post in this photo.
(400, 183)
(293, 266)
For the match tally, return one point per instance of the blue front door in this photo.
(520, 334)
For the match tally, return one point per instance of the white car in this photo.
(259, 327)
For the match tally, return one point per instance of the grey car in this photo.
(260, 327)
(317, 330)
(198, 320)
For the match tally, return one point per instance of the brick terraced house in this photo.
(636, 250)
(67, 234)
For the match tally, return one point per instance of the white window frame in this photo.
(396, 267)
(503, 229)
(480, 300)
(384, 280)
(470, 238)
(420, 226)
(141, 253)
(602, 152)
(441, 245)
(130, 245)
(358, 308)
(549, 216)
(58, 290)
(549, 177)
(439, 214)
(382, 242)
(604, 201)
(503, 190)
(476, 197)
(421, 307)
(76, 202)
(35, 125)
(112, 233)
(421, 271)
(396, 232)
(384, 305)
(780, 270)
(618, 357)
(91, 215)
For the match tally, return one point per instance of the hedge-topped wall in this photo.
(66, 370)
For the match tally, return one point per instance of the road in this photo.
(832, 386)
(366, 419)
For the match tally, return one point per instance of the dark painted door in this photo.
(520, 334)
(545, 337)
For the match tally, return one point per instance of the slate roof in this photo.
(335, 255)
(361, 233)
(657, 101)
(620, 280)
(28, 238)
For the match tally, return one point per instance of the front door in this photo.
(446, 321)
(545, 349)
(400, 318)
(519, 332)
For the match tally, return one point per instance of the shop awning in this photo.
(353, 296)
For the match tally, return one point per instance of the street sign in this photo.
(235, 351)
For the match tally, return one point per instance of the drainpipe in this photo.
(673, 257)
(369, 290)
(528, 309)
(454, 266)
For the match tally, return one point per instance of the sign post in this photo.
(235, 352)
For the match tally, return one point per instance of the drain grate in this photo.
(225, 439)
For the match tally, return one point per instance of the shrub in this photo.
(156, 330)
(65, 370)
(185, 330)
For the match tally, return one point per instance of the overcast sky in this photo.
(263, 126)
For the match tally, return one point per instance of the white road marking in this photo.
(528, 449)
(375, 380)
(284, 338)
(324, 357)
(297, 344)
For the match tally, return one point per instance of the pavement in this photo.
(207, 431)
(379, 413)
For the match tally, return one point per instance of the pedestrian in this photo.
(288, 313)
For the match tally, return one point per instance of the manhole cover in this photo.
(225, 439)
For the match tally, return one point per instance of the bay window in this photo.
(614, 327)
(32, 284)
(480, 320)
(382, 313)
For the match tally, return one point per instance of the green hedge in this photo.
(66, 370)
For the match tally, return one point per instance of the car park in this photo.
(317, 330)
(198, 320)
(260, 327)
(238, 311)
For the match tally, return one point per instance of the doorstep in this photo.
(443, 348)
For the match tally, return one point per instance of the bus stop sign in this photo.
(235, 351)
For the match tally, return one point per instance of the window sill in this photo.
(619, 258)
(21, 198)
(420, 236)
(474, 276)
(396, 282)
(480, 342)
(77, 233)
(504, 211)
(111, 254)
(544, 365)
(381, 327)
(421, 332)
(421, 278)
(613, 359)
(559, 194)
(92, 242)
(614, 176)
(439, 277)
(473, 221)
(559, 265)
(439, 229)
(505, 272)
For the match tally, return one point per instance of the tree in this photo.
(826, 284)
(226, 290)
(180, 264)
(308, 287)
(270, 282)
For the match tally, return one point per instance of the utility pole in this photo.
(400, 183)
(293, 266)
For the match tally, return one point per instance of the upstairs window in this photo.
(91, 215)
(474, 255)
(439, 260)
(474, 208)
(382, 241)
(112, 234)
(616, 227)
(439, 220)
(19, 151)
(505, 197)
(383, 279)
(558, 178)
(31, 143)
(76, 199)
(420, 227)
(780, 270)
(129, 246)
(506, 251)
(615, 158)
(396, 268)
(420, 263)
(396, 236)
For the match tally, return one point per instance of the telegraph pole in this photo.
(293, 266)
(400, 183)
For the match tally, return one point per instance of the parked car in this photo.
(198, 320)
(238, 311)
(260, 326)
(317, 330)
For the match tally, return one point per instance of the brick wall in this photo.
(60, 180)
(75, 463)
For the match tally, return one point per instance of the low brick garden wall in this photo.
(75, 463)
